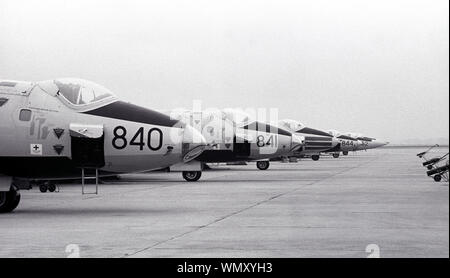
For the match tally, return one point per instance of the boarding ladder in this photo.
(89, 174)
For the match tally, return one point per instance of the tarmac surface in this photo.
(327, 208)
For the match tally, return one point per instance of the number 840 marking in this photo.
(120, 140)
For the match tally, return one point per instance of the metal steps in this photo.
(86, 174)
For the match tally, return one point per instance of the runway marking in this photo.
(246, 208)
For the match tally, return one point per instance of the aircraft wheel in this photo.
(9, 200)
(192, 175)
(51, 187)
(43, 188)
(345, 153)
(262, 165)
(437, 178)
(315, 157)
(336, 155)
(429, 167)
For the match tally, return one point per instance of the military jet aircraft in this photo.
(235, 141)
(354, 142)
(316, 141)
(347, 143)
(365, 142)
(65, 128)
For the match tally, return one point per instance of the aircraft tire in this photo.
(192, 175)
(315, 157)
(345, 153)
(437, 178)
(262, 165)
(336, 155)
(51, 187)
(429, 167)
(43, 188)
(9, 200)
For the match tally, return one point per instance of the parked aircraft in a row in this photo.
(72, 128)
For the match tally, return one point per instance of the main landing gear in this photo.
(262, 165)
(192, 175)
(315, 157)
(47, 186)
(336, 155)
(9, 200)
(345, 152)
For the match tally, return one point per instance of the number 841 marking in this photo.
(261, 142)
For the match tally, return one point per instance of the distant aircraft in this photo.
(316, 141)
(234, 140)
(354, 142)
(347, 143)
(65, 128)
(366, 142)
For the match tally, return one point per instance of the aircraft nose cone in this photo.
(381, 143)
(193, 143)
(378, 143)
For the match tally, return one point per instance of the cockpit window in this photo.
(236, 116)
(292, 125)
(81, 92)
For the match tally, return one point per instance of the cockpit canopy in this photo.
(237, 116)
(292, 125)
(334, 132)
(353, 134)
(77, 92)
(81, 92)
(359, 136)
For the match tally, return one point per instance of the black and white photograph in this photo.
(225, 130)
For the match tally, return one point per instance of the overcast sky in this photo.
(376, 67)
